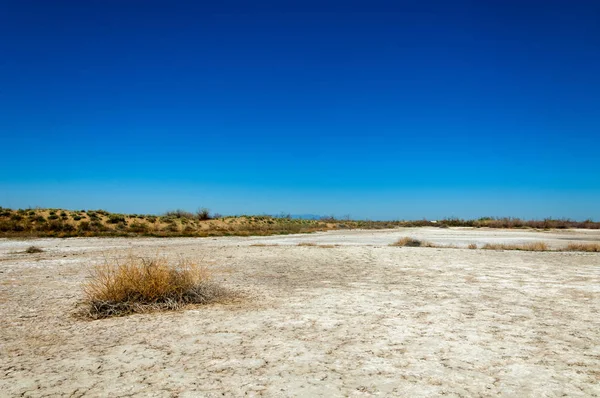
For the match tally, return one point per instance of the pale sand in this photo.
(360, 319)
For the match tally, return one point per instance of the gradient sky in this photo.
(400, 109)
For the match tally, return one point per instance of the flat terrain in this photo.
(354, 318)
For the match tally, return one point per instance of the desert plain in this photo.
(338, 313)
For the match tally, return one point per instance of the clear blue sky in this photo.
(400, 109)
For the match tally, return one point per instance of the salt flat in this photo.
(357, 319)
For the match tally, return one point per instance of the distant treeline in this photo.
(70, 223)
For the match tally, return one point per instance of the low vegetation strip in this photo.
(412, 242)
(311, 244)
(139, 284)
(86, 223)
(531, 246)
(583, 247)
(178, 223)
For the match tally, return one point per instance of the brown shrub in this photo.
(472, 246)
(34, 249)
(411, 242)
(140, 285)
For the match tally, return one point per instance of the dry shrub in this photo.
(472, 246)
(311, 244)
(179, 214)
(411, 242)
(533, 246)
(139, 284)
(583, 247)
(264, 244)
(34, 249)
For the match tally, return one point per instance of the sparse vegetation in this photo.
(34, 249)
(116, 218)
(186, 215)
(583, 247)
(532, 247)
(147, 284)
(139, 227)
(203, 214)
(411, 242)
(60, 223)
(311, 244)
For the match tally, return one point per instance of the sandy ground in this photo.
(359, 319)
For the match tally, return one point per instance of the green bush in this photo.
(116, 218)
(138, 227)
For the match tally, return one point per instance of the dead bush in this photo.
(411, 242)
(138, 284)
(34, 249)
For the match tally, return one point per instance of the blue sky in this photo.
(375, 109)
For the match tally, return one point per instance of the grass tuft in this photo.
(472, 246)
(147, 284)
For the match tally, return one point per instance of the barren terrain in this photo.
(353, 318)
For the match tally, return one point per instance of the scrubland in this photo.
(180, 223)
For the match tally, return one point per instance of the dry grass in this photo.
(532, 247)
(311, 244)
(411, 242)
(140, 285)
(583, 247)
(34, 249)
(264, 244)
